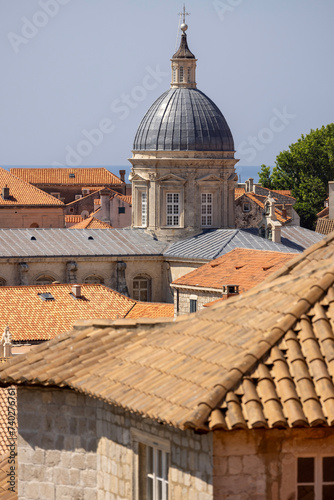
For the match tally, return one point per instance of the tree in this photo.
(305, 169)
(264, 177)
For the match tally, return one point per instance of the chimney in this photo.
(284, 213)
(76, 291)
(5, 193)
(105, 205)
(331, 199)
(251, 184)
(122, 175)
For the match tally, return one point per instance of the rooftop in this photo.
(41, 312)
(85, 176)
(90, 223)
(261, 360)
(241, 266)
(23, 193)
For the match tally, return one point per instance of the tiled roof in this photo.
(324, 225)
(239, 192)
(73, 218)
(259, 200)
(22, 193)
(89, 176)
(284, 192)
(77, 242)
(91, 223)
(151, 310)
(31, 318)
(125, 198)
(262, 359)
(242, 267)
(324, 212)
(4, 434)
(5, 494)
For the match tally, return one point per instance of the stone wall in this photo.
(26, 217)
(73, 447)
(244, 219)
(182, 299)
(262, 464)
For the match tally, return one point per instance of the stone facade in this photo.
(247, 213)
(72, 447)
(262, 464)
(182, 299)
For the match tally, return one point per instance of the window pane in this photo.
(328, 469)
(159, 490)
(209, 198)
(328, 492)
(159, 472)
(305, 470)
(150, 489)
(176, 198)
(149, 460)
(305, 493)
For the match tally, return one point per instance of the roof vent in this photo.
(33, 238)
(90, 237)
(46, 296)
(5, 193)
(76, 291)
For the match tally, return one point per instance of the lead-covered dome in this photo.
(183, 119)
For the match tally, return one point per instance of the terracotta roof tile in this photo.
(91, 223)
(324, 212)
(242, 267)
(89, 176)
(249, 361)
(238, 192)
(125, 198)
(259, 200)
(73, 218)
(151, 310)
(31, 318)
(324, 226)
(5, 494)
(23, 193)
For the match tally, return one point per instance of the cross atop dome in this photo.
(183, 61)
(184, 26)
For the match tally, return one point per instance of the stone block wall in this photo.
(182, 305)
(73, 447)
(262, 464)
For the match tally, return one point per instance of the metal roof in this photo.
(183, 119)
(300, 235)
(77, 242)
(212, 244)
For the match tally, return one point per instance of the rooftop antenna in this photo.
(182, 15)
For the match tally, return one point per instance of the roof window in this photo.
(33, 238)
(46, 296)
(71, 175)
(90, 237)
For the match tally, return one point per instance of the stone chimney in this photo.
(331, 199)
(76, 291)
(105, 205)
(122, 175)
(5, 193)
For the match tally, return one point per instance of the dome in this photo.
(183, 119)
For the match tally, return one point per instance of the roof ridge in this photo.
(198, 418)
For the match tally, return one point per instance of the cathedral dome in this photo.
(183, 119)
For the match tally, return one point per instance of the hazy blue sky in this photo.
(267, 64)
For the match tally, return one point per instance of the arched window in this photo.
(93, 279)
(34, 224)
(174, 74)
(2, 282)
(269, 233)
(44, 280)
(142, 288)
(189, 75)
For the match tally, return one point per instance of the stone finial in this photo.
(6, 343)
(6, 336)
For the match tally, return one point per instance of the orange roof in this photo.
(31, 318)
(260, 199)
(238, 192)
(23, 193)
(73, 218)
(82, 176)
(91, 223)
(123, 197)
(242, 267)
(151, 310)
(324, 212)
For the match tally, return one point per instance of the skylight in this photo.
(46, 296)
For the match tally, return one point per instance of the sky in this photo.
(78, 75)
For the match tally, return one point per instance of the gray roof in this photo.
(212, 244)
(77, 242)
(300, 235)
(183, 51)
(183, 119)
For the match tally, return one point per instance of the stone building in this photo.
(183, 173)
(234, 402)
(233, 273)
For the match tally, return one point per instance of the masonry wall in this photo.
(262, 464)
(182, 304)
(244, 219)
(72, 447)
(26, 217)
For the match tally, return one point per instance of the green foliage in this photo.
(264, 177)
(305, 168)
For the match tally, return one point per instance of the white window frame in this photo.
(173, 200)
(158, 444)
(318, 474)
(206, 209)
(143, 203)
